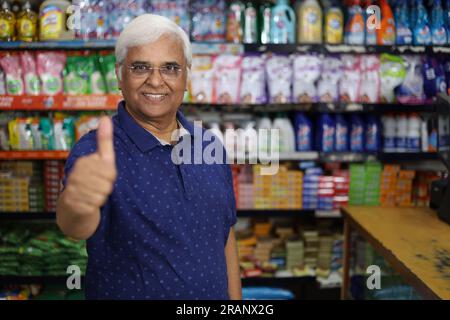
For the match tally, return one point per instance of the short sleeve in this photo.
(230, 191)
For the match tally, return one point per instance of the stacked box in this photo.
(372, 184)
(341, 181)
(403, 193)
(325, 193)
(263, 250)
(53, 174)
(388, 185)
(422, 188)
(13, 193)
(311, 188)
(262, 229)
(295, 255)
(245, 199)
(324, 253)
(295, 188)
(357, 184)
(311, 240)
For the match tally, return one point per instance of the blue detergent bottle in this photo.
(282, 25)
(413, 15)
(422, 32)
(341, 139)
(303, 132)
(325, 136)
(438, 28)
(403, 29)
(356, 133)
(447, 18)
(373, 134)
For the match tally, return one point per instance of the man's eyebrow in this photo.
(171, 63)
(140, 62)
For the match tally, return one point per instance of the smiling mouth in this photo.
(152, 97)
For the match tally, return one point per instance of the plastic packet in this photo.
(307, 70)
(328, 85)
(97, 81)
(108, 69)
(202, 79)
(77, 75)
(64, 132)
(370, 79)
(351, 78)
(253, 80)
(174, 10)
(25, 136)
(36, 134)
(50, 66)
(30, 77)
(10, 64)
(411, 89)
(279, 78)
(227, 77)
(392, 72)
(2, 81)
(13, 130)
(4, 135)
(47, 139)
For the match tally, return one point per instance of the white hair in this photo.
(148, 28)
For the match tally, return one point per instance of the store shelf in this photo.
(27, 216)
(276, 281)
(17, 280)
(273, 213)
(214, 47)
(407, 156)
(59, 102)
(34, 155)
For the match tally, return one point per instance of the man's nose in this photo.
(154, 78)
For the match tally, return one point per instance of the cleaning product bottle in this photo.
(389, 133)
(438, 29)
(424, 134)
(386, 34)
(250, 23)
(341, 139)
(7, 23)
(309, 22)
(413, 15)
(447, 17)
(414, 133)
(264, 127)
(52, 20)
(304, 133)
(371, 33)
(334, 24)
(421, 33)
(401, 137)
(355, 26)
(26, 25)
(282, 27)
(403, 29)
(251, 139)
(356, 133)
(286, 133)
(235, 22)
(326, 133)
(265, 16)
(373, 134)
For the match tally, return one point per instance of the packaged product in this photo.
(30, 76)
(307, 69)
(202, 79)
(227, 76)
(279, 77)
(253, 81)
(328, 85)
(10, 64)
(392, 72)
(50, 66)
(351, 78)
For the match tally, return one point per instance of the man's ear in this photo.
(119, 75)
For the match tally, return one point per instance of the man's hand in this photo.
(89, 184)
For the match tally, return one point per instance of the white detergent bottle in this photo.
(251, 140)
(264, 127)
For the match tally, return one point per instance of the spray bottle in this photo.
(422, 33)
(438, 30)
(386, 34)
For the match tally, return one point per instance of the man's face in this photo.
(154, 94)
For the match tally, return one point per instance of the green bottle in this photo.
(250, 23)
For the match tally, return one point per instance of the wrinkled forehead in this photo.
(167, 48)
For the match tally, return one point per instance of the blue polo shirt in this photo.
(164, 227)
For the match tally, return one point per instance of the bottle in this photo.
(424, 134)
(282, 27)
(265, 15)
(403, 29)
(334, 24)
(251, 139)
(341, 139)
(235, 22)
(447, 17)
(286, 133)
(389, 133)
(413, 15)
(26, 23)
(421, 32)
(326, 133)
(355, 26)
(401, 133)
(264, 127)
(304, 133)
(309, 22)
(371, 33)
(356, 133)
(7, 23)
(52, 20)
(386, 34)
(250, 23)
(414, 133)
(438, 29)
(373, 134)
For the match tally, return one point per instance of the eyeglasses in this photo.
(167, 72)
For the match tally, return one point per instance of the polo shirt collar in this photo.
(144, 140)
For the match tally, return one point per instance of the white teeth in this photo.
(154, 96)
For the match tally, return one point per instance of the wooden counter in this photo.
(413, 240)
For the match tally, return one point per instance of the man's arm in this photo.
(234, 276)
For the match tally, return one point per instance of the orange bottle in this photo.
(386, 34)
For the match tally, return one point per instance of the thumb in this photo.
(105, 146)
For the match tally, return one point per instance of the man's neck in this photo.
(160, 128)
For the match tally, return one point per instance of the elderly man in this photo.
(155, 229)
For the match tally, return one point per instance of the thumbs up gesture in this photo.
(92, 178)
